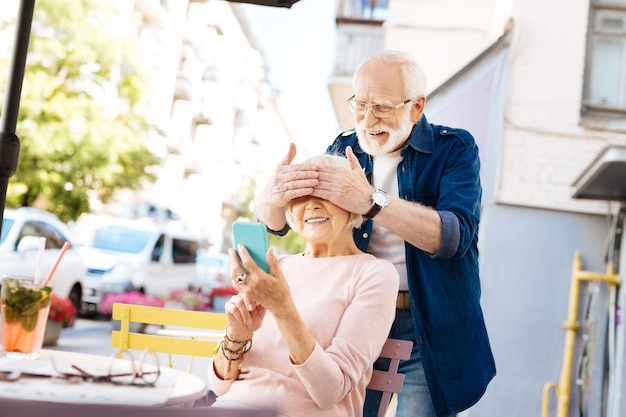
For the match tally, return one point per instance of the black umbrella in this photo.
(275, 3)
(9, 142)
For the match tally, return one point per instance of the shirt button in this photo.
(364, 235)
(444, 131)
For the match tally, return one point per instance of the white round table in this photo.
(173, 388)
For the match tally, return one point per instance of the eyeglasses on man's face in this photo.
(380, 110)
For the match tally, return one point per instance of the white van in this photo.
(124, 254)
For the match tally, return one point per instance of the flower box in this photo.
(62, 314)
(52, 333)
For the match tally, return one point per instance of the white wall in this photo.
(443, 35)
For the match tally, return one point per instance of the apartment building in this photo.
(211, 97)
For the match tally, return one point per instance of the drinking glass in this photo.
(24, 314)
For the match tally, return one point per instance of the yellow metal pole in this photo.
(563, 388)
(571, 326)
(546, 397)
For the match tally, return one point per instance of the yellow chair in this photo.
(203, 331)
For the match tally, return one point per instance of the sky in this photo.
(299, 46)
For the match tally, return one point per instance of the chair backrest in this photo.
(202, 333)
(390, 381)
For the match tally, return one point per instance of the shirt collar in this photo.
(421, 138)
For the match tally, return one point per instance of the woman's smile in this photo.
(316, 220)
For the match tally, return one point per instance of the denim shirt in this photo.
(440, 169)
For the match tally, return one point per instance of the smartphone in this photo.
(253, 236)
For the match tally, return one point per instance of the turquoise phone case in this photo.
(253, 236)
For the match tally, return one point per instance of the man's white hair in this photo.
(413, 75)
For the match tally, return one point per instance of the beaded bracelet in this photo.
(236, 342)
(244, 349)
(234, 355)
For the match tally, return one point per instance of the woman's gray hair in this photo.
(412, 73)
(333, 160)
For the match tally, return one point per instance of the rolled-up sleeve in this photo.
(450, 235)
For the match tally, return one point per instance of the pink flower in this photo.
(190, 299)
(134, 297)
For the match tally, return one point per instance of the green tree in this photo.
(82, 123)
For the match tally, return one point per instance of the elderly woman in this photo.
(302, 339)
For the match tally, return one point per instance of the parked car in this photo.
(19, 251)
(124, 255)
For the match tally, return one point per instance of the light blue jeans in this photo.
(414, 400)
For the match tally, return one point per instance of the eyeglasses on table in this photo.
(122, 370)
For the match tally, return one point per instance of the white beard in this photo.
(396, 137)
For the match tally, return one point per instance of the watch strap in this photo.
(376, 208)
(373, 211)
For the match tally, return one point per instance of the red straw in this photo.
(64, 249)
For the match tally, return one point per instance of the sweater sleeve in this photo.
(218, 385)
(329, 375)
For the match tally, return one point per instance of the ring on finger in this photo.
(241, 279)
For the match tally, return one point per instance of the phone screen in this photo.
(253, 236)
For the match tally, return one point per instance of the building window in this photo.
(363, 10)
(605, 82)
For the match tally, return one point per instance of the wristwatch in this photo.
(379, 202)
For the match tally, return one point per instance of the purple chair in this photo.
(390, 381)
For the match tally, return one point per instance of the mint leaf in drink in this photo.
(23, 303)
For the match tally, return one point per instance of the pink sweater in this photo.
(348, 304)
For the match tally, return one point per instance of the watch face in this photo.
(380, 198)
